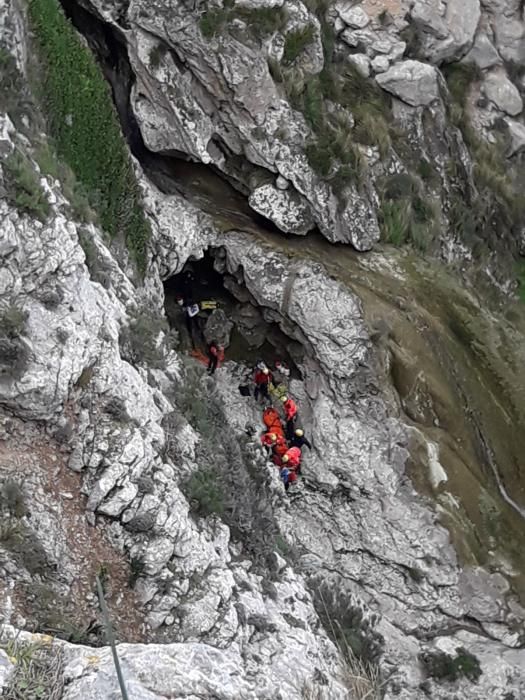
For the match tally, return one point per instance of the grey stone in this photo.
(218, 328)
(352, 15)
(499, 90)
(413, 82)
(483, 53)
(380, 64)
(447, 30)
(361, 62)
(510, 38)
(6, 130)
(517, 136)
(286, 208)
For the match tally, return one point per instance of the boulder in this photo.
(218, 327)
(499, 90)
(517, 137)
(446, 31)
(380, 64)
(286, 208)
(361, 63)
(483, 53)
(352, 15)
(412, 82)
(510, 39)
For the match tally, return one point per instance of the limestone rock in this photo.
(447, 30)
(499, 90)
(286, 208)
(510, 38)
(218, 328)
(413, 82)
(352, 15)
(517, 136)
(380, 64)
(361, 62)
(6, 130)
(483, 53)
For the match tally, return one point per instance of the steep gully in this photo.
(412, 335)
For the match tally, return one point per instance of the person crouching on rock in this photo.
(213, 357)
(268, 440)
(288, 477)
(262, 380)
(292, 459)
(298, 439)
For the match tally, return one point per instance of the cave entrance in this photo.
(237, 322)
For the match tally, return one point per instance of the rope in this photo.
(111, 639)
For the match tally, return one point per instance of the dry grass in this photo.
(38, 670)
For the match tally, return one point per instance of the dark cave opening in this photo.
(238, 322)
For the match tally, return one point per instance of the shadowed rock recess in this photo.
(344, 180)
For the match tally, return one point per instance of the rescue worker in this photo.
(279, 449)
(292, 458)
(188, 280)
(290, 416)
(298, 439)
(190, 312)
(268, 440)
(262, 379)
(213, 357)
(288, 476)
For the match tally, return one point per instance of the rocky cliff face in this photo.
(394, 568)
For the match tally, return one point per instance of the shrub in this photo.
(116, 408)
(14, 354)
(85, 127)
(139, 342)
(296, 41)
(157, 54)
(372, 130)
(405, 215)
(12, 499)
(262, 20)
(212, 22)
(204, 493)
(99, 270)
(13, 321)
(50, 164)
(444, 667)
(23, 187)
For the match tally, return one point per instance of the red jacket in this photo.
(294, 457)
(290, 409)
(280, 447)
(267, 440)
(262, 378)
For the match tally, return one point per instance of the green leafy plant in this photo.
(85, 127)
(406, 216)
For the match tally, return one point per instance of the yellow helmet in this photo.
(266, 370)
(273, 437)
(299, 432)
(284, 399)
(285, 458)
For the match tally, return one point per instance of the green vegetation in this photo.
(38, 671)
(14, 353)
(444, 667)
(497, 209)
(85, 127)
(140, 342)
(405, 215)
(157, 53)
(296, 41)
(261, 21)
(204, 493)
(23, 187)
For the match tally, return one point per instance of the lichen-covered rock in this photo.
(413, 82)
(286, 208)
